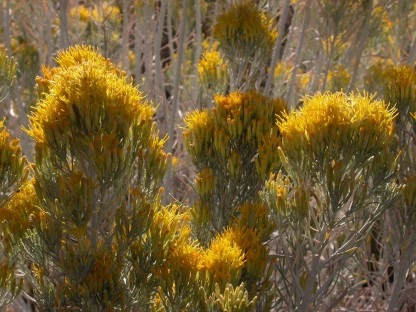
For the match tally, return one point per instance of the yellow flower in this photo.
(248, 118)
(13, 169)
(198, 133)
(111, 12)
(165, 224)
(255, 252)
(92, 14)
(282, 70)
(401, 89)
(224, 259)
(243, 31)
(81, 54)
(185, 257)
(87, 96)
(334, 126)
(247, 115)
(213, 72)
(179, 258)
(16, 212)
(82, 13)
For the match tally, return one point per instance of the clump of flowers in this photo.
(400, 89)
(243, 31)
(81, 12)
(173, 258)
(245, 38)
(213, 72)
(16, 213)
(91, 14)
(335, 126)
(233, 148)
(224, 260)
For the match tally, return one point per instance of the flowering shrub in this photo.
(245, 38)
(233, 147)
(338, 154)
(243, 31)
(97, 171)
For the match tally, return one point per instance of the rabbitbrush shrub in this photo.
(285, 200)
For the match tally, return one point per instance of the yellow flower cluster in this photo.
(224, 259)
(81, 12)
(15, 214)
(248, 119)
(79, 97)
(88, 15)
(88, 108)
(243, 30)
(401, 89)
(198, 133)
(234, 141)
(336, 126)
(286, 198)
(165, 224)
(254, 252)
(177, 256)
(99, 161)
(186, 258)
(213, 71)
(13, 170)
(183, 264)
